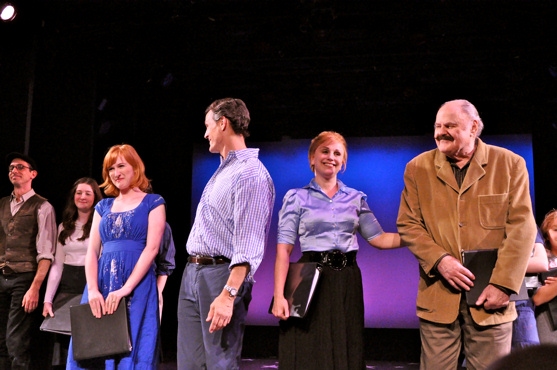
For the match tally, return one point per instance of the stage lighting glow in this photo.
(7, 12)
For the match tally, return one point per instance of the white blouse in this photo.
(73, 253)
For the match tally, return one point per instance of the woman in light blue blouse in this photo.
(325, 215)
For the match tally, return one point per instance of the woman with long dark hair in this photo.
(66, 278)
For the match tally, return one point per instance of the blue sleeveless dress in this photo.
(124, 236)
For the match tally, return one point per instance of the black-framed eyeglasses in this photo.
(18, 167)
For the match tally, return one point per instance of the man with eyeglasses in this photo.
(27, 244)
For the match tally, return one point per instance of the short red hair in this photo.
(327, 137)
(130, 155)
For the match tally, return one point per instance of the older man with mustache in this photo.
(465, 195)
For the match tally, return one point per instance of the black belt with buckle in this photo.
(334, 259)
(6, 271)
(207, 260)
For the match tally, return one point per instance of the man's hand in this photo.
(457, 275)
(220, 312)
(492, 298)
(30, 300)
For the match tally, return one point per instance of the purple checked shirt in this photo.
(234, 212)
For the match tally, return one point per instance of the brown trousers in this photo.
(441, 343)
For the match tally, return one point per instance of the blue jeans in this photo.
(525, 332)
(16, 326)
(197, 348)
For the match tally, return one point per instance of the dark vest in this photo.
(18, 235)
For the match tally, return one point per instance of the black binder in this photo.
(549, 273)
(481, 263)
(106, 337)
(551, 305)
(299, 287)
(60, 323)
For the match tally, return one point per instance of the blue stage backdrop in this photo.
(376, 167)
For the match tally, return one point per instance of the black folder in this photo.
(551, 305)
(481, 263)
(60, 323)
(549, 273)
(299, 287)
(106, 337)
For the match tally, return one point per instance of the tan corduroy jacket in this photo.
(492, 209)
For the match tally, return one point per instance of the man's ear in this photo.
(474, 128)
(224, 123)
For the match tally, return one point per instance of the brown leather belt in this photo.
(206, 260)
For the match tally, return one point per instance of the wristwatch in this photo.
(232, 291)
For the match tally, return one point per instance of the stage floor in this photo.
(253, 364)
(385, 349)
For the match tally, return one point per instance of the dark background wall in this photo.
(77, 76)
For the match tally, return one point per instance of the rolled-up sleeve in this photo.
(252, 216)
(46, 235)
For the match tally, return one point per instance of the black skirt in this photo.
(331, 335)
(72, 282)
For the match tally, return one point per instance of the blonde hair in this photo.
(130, 155)
(327, 137)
